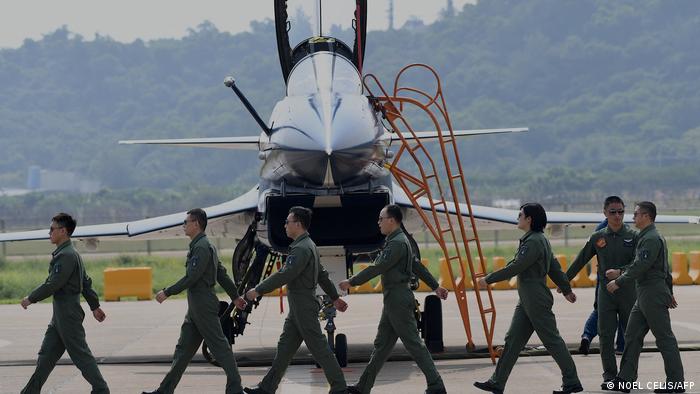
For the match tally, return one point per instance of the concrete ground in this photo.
(135, 344)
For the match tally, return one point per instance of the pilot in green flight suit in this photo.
(614, 246)
(394, 263)
(532, 263)
(650, 272)
(67, 280)
(302, 272)
(203, 270)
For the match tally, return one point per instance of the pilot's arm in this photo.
(195, 268)
(294, 265)
(61, 271)
(326, 284)
(388, 258)
(223, 279)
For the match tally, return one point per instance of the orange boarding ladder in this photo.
(419, 178)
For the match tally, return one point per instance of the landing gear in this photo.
(337, 343)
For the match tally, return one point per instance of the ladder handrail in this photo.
(391, 107)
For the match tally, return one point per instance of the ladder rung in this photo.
(456, 176)
(487, 310)
(447, 140)
(430, 176)
(453, 257)
(418, 193)
(415, 148)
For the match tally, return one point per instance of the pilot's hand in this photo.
(344, 285)
(99, 315)
(251, 295)
(25, 302)
(482, 283)
(240, 303)
(612, 274)
(559, 290)
(442, 293)
(161, 296)
(674, 303)
(340, 305)
(571, 297)
(612, 287)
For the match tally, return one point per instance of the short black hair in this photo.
(303, 215)
(649, 208)
(66, 221)
(393, 211)
(200, 216)
(613, 200)
(536, 212)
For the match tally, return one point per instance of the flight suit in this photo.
(67, 280)
(202, 319)
(654, 283)
(615, 250)
(532, 263)
(395, 264)
(301, 272)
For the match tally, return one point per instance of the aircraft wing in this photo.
(227, 219)
(492, 218)
(431, 135)
(246, 143)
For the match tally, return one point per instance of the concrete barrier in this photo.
(128, 282)
(694, 269)
(445, 280)
(679, 269)
(593, 276)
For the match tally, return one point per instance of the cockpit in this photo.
(321, 66)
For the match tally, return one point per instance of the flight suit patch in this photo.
(523, 250)
(628, 243)
(601, 242)
(386, 253)
(644, 254)
(193, 261)
(290, 260)
(57, 268)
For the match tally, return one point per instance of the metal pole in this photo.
(4, 244)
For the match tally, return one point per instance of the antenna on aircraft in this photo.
(231, 83)
(319, 18)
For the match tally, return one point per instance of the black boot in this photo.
(488, 386)
(585, 346)
(353, 389)
(255, 390)
(152, 392)
(569, 389)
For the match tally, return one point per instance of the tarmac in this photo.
(134, 347)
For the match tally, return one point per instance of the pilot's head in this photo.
(62, 227)
(390, 218)
(614, 211)
(298, 221)
(532, 217)
(195, 222)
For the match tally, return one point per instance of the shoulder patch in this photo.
(601, 242)
(57, 268)
(644, 254)
(290, 260)
(523, 250)
(194, 260)
(386, 254)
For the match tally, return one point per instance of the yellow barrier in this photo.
(276, 292)
(694, 270)
(422, 287)
(594, 270)
(582, 279)
(365, 287)
(499, 263)
(445, 276)
(128, 282)
(563, 263)
(679, 264)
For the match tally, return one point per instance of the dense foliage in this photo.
(609, 90)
